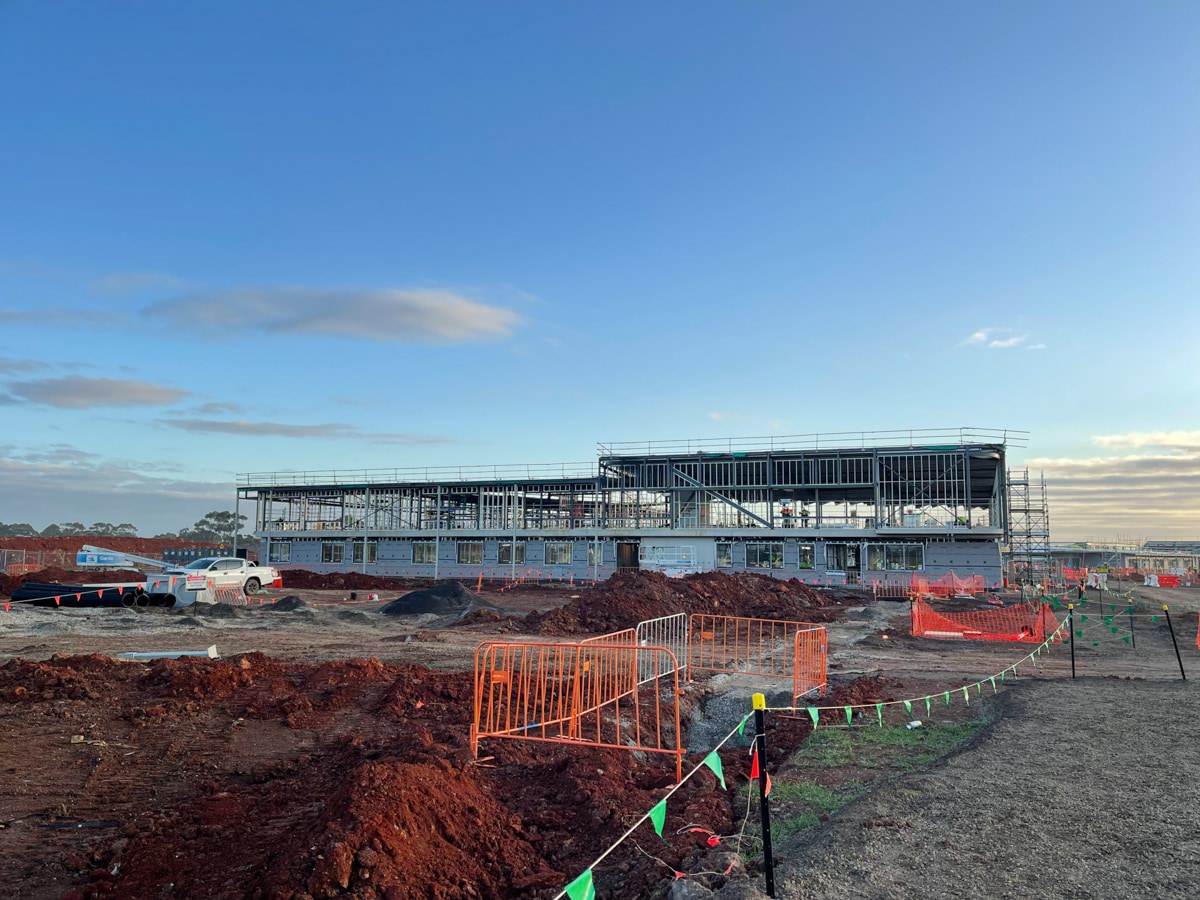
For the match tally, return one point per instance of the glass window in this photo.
(595, 553)
(424, 552)
(470, 553)
(372, 549)
(227, 565)
(806, 556)
(280, 553)
(506, 550)
(896, 557)
(764, 556)
(203, 563)
(558, 553)
(724, 556)
(333, 553)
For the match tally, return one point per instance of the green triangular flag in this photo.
(1113, 629)
(1079, 634)
(1095, 643)
(1002, 674)
(742, 730)
(581, 888)
(966, 695)
(947, 696)
(713, 761)
(979, 688)
(928, 711)
(1083, 617)
(814, 714)
(1154, 619)
(993, 681)
(658, 815)
(879, 712)
(908, 707)
(849, 714)
(1125, 638)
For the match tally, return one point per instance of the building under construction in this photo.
(850, 507)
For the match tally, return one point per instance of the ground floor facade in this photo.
(814, 560)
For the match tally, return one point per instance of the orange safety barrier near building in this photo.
(947, 586)
(1012, 623)
(580, 693)
(766, 647)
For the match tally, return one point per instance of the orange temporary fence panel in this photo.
(810, 655)
(580, 693)
(1012, 623)
(773, 648)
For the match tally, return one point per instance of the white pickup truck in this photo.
(225, 571)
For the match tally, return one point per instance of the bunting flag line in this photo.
(658, 815)
(908, 707)
(582, 888)
(814, 715)
(713, 761)
(849, 714)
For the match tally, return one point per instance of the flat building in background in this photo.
(859, 507)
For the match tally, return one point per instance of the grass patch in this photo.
(892, 746)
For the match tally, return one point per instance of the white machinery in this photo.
(200, 580)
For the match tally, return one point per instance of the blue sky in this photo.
(252, 236)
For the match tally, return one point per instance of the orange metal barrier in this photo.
(767, 647)
(579, 693)
(1012, 623)
(810, 653)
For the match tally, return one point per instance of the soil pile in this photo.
(353, 581)
(290, 603)
(446, 598)
(628, 598)
(10, 583)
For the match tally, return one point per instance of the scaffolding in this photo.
(1028, 528)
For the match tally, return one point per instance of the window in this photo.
(372, 549)
(424, 552)
(764, 556)
(724, 556)
(333, 553)
(558, 553)
(470, 553)
(895, 557)
(506, 553)
(279, 553)
(806, 556)
(595, 553)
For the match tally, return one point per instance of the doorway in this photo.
(627, 555)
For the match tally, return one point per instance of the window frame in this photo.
(460, 546)
(356, 551)
(328, 549)
(773, 561)
(728, 545)
(427, 548)
(279, 552)
(508, 545)
(558, 547)
(801, 562)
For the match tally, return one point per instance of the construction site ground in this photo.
(327, 753)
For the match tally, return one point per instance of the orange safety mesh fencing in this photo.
(765, 647)
(1021, 623)
(947, 586)
(1074, 574)
(580, 693)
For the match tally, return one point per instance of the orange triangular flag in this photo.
(6, 606)
(754, 768)
(768, 784)
(100, 593)
(79, 598)
(120, 590)
(56, 601)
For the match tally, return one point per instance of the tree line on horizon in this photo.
(216, 527)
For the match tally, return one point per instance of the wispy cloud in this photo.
(61, 483)
(10, 365)
(403, 316)
(220, 408)
(998, 339)
(1134, 440)
(715, 416)
(78, 392)
(327, 431)
(124, 284)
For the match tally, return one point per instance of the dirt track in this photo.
(1083, 789)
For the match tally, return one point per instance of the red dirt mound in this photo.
(73, 544)
(302, 579)
(628, 598)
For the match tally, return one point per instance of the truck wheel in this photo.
(252, 585)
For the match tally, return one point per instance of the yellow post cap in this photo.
(1164, 607)
(1070, 606)
(760, 701)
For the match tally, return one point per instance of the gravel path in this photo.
(1080, 789)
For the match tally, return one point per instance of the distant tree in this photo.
(216, 527)
(52, 531)
(73, 528)
(167, 536)
(20, 529)
(101, 528)
(125, 529)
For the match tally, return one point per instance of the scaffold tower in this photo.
(1028, 527)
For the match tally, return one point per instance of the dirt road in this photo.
(1079, 789)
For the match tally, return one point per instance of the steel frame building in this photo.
(860, 506)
